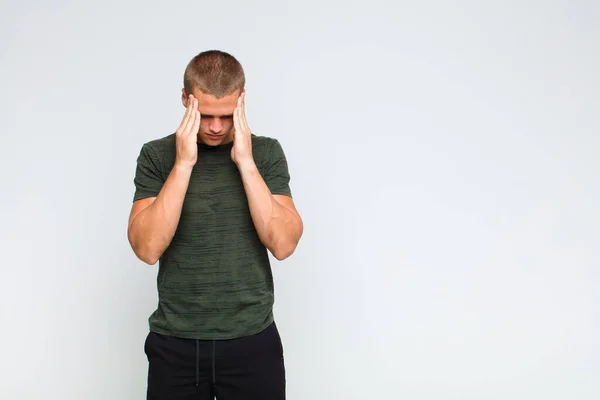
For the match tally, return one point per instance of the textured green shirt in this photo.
(214, 280)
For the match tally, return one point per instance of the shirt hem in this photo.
(200, 336)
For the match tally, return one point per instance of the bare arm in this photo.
(275, 217)
(154, 220)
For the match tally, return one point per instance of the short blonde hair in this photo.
(214, 72)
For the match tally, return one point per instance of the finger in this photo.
(244, 104)
(196, 121)
(186, 116)
(239, 106)
(244, 122)
(191, 119)
(236, 120)
(196, 126)
(189, 104)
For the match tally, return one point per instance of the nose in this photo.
(216, 126)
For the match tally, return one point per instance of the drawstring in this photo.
(213, 364)
(197, 363)
(214, 374)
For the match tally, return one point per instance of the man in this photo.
(211, 200)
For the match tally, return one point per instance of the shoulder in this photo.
(158, 150)
(161, 145)
(155, 155)
(270, 157)
(266, 147)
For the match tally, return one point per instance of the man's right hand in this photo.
(187, 135)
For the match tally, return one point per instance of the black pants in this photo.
(239, 369)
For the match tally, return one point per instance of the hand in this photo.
(186, 137)
(241, 153)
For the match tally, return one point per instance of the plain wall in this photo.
(444, 156)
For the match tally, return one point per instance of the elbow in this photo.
(150, 260)
(284, 250)
(143, 253)
(281, 255)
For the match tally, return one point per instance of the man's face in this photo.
(216, 123)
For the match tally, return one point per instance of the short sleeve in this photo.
(277, 176)
(148, 178)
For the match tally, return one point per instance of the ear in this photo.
(184, 98)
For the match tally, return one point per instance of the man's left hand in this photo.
(241, 153)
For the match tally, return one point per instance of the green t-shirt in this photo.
(214, 280)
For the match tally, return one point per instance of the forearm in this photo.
(278, 227)
(152, 230)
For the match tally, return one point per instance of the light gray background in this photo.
(444, 156)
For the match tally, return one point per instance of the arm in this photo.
(275, 217)
(155, 215)
(153, 220)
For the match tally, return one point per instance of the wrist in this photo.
(247, 166)
(183, 167)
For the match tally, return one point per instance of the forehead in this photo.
(211, 105)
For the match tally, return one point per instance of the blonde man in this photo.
(211, 201)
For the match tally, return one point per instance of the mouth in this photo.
(214, 137)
